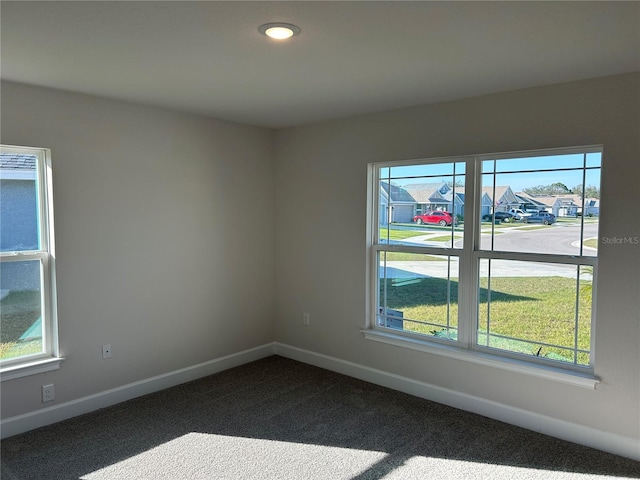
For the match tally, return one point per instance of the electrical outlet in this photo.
(305, 319)
(48, 393)
(106, 351)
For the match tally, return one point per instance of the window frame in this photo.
(466, 346)
(50, 358)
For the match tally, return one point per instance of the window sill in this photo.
(32, 368)
(579, 379)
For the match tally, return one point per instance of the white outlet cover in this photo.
(48, 393)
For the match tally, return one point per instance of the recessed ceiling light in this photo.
(279, 31)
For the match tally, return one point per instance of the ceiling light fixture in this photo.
(279, 31)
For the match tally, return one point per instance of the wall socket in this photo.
(305, 319)
(106, 351)
(48, 393)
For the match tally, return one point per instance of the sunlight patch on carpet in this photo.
(203, 456)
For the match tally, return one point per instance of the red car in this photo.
(437, 217)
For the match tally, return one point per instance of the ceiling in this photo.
(351, 58)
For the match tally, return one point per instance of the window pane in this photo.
(423, 205)
(547, 162)
(18, 203)
(537, 309)
(585, 294)
(539, 212)
(21, 326)
(591, 212)
(423, 170)
(594, 159)
(418, 293)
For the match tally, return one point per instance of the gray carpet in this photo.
(281, 419)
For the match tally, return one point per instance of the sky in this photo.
(518, 173)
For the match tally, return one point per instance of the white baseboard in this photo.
(56, 413)
(608, 442)
(590, 437)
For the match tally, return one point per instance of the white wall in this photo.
(321, 256)
(158, 217)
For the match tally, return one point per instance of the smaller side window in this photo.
(27, 277)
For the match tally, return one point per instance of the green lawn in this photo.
(443, 238)
(412, 257)
(531, 309)
(591, 242)
(394, 234)
(398, 233)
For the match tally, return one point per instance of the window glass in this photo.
(418, 293)
(523, 269)
(536, 309)
(19, 220)
(422, 205)
(21, 309)
(540, 211)
(27, 280)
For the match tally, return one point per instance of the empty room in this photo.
(320, 240)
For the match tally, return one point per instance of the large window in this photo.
(493, 255)
(27, 280)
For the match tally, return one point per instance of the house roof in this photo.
(501, 190)
(562, 200)
(17, 161)
(425, 192)
(526, 198)
(396, 193)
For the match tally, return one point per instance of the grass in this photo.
(443, 238)
(13, 349)
(526, 309)
(545, 313)
(399, 234)
(591, 242)
(18, 311)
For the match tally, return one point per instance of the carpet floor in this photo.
(280, 419)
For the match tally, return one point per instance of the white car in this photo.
(519, 214)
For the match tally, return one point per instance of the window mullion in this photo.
(23, 256)
(467, 295)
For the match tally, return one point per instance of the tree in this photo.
(557, 188)
(590, 192)
(458, 184)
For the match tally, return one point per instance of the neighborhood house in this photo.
(400, 204)
(19, 220)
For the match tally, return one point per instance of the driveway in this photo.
(554, 239)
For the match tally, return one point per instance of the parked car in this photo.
(435, 217)
(519, 214)
(505, 217)
(540, 217)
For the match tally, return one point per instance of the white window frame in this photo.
(50, 358)
(466, 347)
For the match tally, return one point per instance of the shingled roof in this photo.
(17, 161)
(426, 192)
(396, 193)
